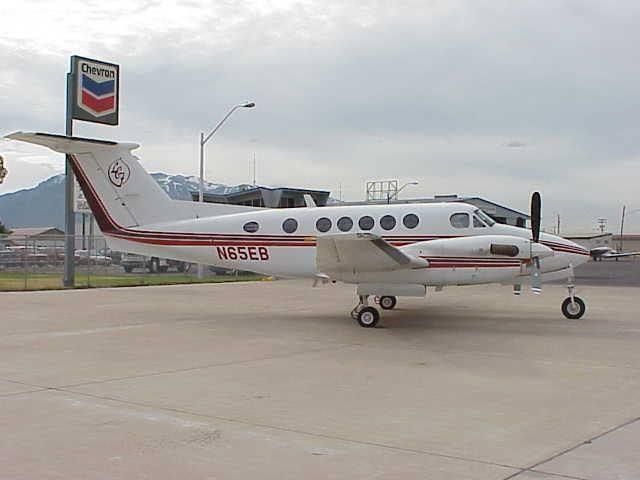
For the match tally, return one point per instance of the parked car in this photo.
(131, 261)
(84, 257)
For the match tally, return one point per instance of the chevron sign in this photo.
(96, 90)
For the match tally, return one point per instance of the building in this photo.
(629, 242)
(37, 236)
(256, 196)
(499, 213)
(593, 240)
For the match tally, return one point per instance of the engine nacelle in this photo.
(489, 246)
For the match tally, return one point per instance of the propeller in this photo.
(536, 206)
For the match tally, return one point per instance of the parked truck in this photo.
(131, 261)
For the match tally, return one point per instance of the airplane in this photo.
(600, 253)
(387, 251)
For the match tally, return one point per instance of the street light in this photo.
(389, 197)
(203, 141)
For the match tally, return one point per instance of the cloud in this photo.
(353, 91)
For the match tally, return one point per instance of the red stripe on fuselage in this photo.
(110, 227)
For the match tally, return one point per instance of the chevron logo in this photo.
(97, 88)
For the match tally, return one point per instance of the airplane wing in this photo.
(361, 252)
(618, 255)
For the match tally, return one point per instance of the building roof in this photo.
(270, 195)
(445, 199)
(35, 232)
(586, 236)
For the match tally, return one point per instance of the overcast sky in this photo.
(490, 98)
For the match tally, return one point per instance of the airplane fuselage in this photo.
(282, 242)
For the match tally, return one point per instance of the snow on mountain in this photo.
(44, 204)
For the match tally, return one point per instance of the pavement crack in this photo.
(570, 449)
(397, 448)
(205, 366)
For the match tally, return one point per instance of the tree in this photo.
(4, 229)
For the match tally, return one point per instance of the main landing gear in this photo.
(572, 307)
(387, 302)
(368, 316)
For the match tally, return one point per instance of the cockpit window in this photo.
(459, 220)
(477, 223)
(484, 217)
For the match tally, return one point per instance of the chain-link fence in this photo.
(37, 263)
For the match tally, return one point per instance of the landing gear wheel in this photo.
(573, 310)
(368, 317)
(388, 302)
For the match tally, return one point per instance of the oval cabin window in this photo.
(411, 220)
(323, 224)
(251, 227)
(366, 223)
(290, 225)
(345, 224)
(388, 222)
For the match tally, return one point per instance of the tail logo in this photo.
(119, 173)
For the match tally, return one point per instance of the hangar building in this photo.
(499, 213)
(257, 196)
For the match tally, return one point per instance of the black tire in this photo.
(573, 312)
(154, 265)
(368, 317)
(128, 269)
(388, 302)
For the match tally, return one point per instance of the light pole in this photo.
(203, 141)
(624, 213)
(389, 197)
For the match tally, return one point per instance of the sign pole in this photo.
(69, 216)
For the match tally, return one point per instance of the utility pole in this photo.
(254, 169)
(624, 210)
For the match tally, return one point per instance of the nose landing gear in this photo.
(573, 307)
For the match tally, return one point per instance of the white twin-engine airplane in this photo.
(386, 250)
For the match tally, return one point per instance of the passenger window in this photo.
(410, 220)
(323, 224)
(477, 223)
(388, 222)
(345, 224)
(251, 227)
(460, 220)
(366, 223)
(290, 225)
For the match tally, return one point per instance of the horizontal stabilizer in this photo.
(64, 144)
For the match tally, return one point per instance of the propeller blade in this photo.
(536, 205)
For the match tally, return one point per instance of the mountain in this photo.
(43, 205)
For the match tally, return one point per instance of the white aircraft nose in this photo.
(541, 251)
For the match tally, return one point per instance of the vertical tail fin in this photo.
(119, 190)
